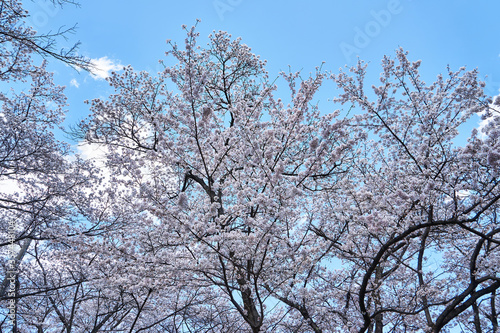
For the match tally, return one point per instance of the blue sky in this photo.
(291, 33)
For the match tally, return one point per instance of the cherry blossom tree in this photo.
(424, 208)
(223, 208)
(243, 212)
(215, 173)
(41, 186)
(18, 41)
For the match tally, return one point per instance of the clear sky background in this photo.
(299, 34)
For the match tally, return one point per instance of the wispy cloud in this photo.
(74, 83)
(103, 67)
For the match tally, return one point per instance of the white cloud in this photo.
(152, 173)
(74, 83)
(484, 122)
(103, 67)
(9, 186)
(94, 152)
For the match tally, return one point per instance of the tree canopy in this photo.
(221, 207)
